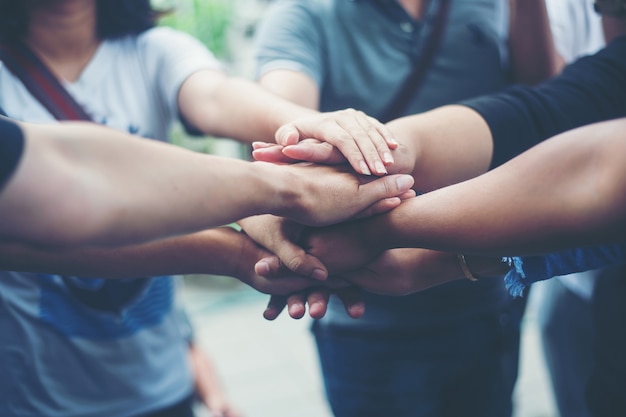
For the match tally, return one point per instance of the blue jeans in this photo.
(465, 369)
(183, 408)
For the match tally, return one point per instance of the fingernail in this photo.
(380, 168)
(262, 268)
(364, 169)
(388, 158)
(393, 141)
(318, 274)
(404, 182)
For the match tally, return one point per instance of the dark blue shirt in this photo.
(591, 90)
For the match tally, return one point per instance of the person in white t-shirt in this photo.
(75, 346)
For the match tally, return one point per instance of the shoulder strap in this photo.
(411, 85)
(40, 82)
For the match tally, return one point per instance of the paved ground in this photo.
(271, 369)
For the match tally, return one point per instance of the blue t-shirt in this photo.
(359, 54)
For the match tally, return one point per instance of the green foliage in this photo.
(207, 20)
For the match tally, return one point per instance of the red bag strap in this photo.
(40, 82)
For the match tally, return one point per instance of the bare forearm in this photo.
(85, 183)
(533, 55)
(237, 108)
(442, 146)
(569, 191)
(220, 251)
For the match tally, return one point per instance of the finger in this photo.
(274, 307)
(378, 151)
(272, 154)
(262, 145)
(287, 135)
(353, 301)
(392, 143)
(268, 267)
(295, 259)
(318, 303)
(356, 131)
(385, 205)
(320, 153)
(379, 207)
(387, 187)
(296, 305)
(408, 195)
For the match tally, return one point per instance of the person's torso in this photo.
(366, 49)
(92, 347)
(360, 54)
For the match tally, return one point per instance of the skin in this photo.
(584, 204)
(112, 198)
(449, 136)
(63, 34)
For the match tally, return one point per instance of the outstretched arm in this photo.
(482, 133)
(80, 183)
(566, 192)
(237, 108)
(220, 251)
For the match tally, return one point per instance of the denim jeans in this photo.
(183, 408)
(465, 369)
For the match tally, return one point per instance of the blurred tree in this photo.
(207, 20)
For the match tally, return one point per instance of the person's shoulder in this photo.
(313, 7)
(162, 34)
(166, 40)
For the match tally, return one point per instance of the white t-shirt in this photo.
(130, 84)
(576, 28)
(74, 347)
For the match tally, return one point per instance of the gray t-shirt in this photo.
(359, 52)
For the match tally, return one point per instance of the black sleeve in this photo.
(11, 148)
(592, 89)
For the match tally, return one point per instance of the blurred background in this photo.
(271, 368)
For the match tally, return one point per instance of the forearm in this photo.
(236, 108)
(533, 54)
(218, 251)
(564, 193)
(442, 146)
(82, 183)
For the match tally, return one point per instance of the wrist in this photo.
(275, 190)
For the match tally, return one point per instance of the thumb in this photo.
(388, 187)
(295, 259)
(287, 135)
